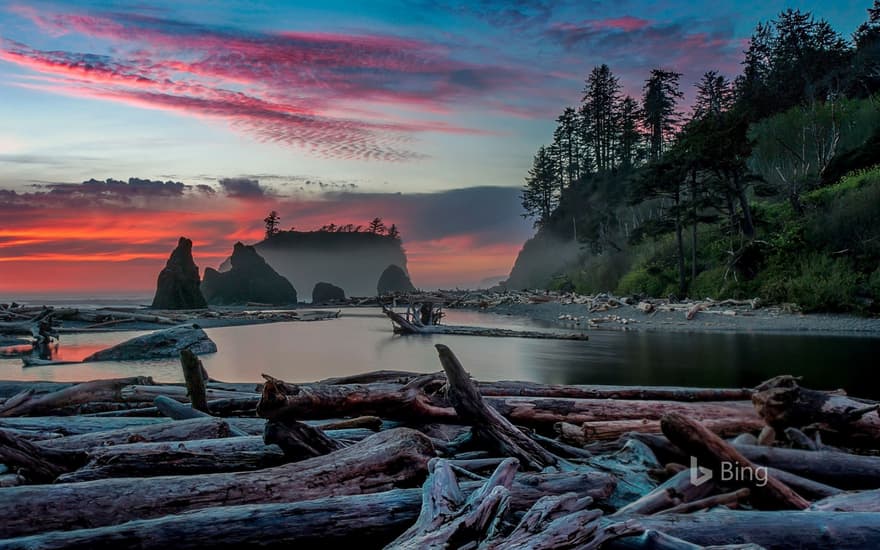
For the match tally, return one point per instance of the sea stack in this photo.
(250, 279)
(324, 293)
(394, 279)
(178, 284)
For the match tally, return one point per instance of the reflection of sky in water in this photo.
(361, 341)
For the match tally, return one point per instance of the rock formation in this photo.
(250, 279)
(353, 261)
(178, 283)
(159, 344)
(394, 279)
(325, 292)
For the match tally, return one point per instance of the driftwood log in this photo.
(367, 520)
(233, 454)
(715, 453)
(782, 403)
(384, 461)
(486, 423)
(30, 403)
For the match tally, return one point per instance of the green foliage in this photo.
(645, 281)
(819, 283)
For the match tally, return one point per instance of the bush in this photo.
(649, 282)
(709, 284)
(819, 283)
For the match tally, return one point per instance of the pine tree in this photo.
(273, 223)
(601, 97)
(376, 226)
(629, 137)
(714, 95)
(659, 109)
(393, 232)
(539, 196)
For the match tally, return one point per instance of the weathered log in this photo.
(589, 432)
(11, 480)
(807, 488)
(9, 388)
(159, 344)
(449, 519)
(655, 540)
(31, 403)
(75, 425)
(381, 462)
(403, 326)
(652, 393)
(415, 401)
(367, 422)
(725, 499)
(859, 501)
(782, 403)
(674, 491)
(195, 377)
(33, 462)
(238, 427)
(299, 441)
(783, 530)
(147, 393)
(838, 469)
(368, 521)
(692, 437)
(233, 454)
(183, 430)
(843, 470)
(487, 423)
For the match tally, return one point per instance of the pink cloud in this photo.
(327, 93)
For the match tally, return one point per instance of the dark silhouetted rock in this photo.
(325, 292)
(250, 279)
(159, 344)
(353, 261)
(178, 284)
(394, 279)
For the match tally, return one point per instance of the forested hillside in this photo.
(768, 185)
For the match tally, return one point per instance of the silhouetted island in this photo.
(178, 284)
(248, 279)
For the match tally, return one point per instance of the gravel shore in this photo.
(574, 316)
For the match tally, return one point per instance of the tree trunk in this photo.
(782, 403)
(183, 430)
(195, 377)
(205, 456)
(679, 243)
(386, 460)
(487, 423)
(589, 432)
(29, 403)
(784, 530)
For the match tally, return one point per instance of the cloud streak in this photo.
(332, 94)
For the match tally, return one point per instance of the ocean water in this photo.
(361, 340)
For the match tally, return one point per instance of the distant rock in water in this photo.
(541, 258)
(325, 292)
(350, 260)
(158, 345)
(394, 279)
(178, 283)
(249, 279)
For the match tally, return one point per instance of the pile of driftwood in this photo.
(401, 460)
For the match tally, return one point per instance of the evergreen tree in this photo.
(393, 232)
(629, 137)
(714, 95)
(273, 223)
(376, 226)
(539, 196)
(601, 97)
(659, 105)
(565, 146)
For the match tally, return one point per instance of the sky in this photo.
(124, 125)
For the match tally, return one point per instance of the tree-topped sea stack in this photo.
(178, 283)
(250, 279)
(394, 279)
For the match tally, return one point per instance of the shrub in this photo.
(650, 282)
(819, 283)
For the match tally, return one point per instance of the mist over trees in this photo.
(730, 197)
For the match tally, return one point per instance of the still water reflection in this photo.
(361, 340)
